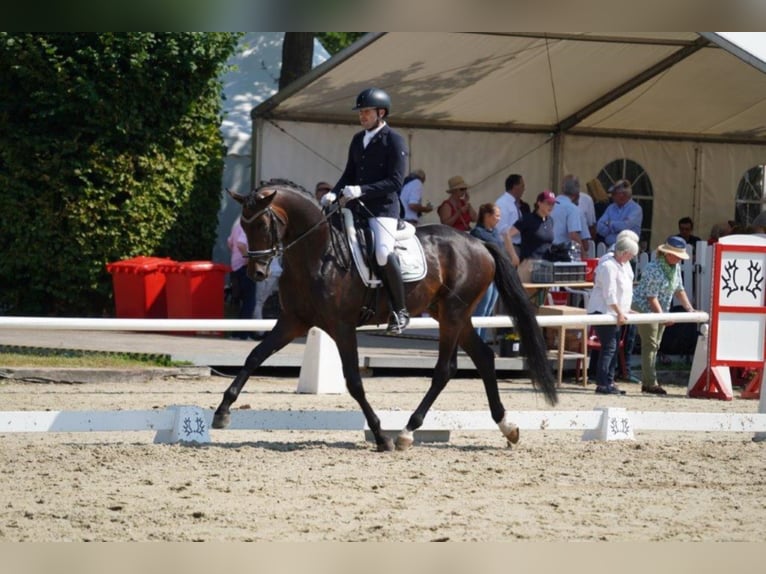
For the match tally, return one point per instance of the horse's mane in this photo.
(276, 183)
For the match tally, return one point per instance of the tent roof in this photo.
(661, 84)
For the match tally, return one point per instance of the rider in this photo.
(377, 160)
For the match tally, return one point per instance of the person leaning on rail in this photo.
(660, 282)
(612, 294)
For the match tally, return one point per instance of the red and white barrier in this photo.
(738, 317)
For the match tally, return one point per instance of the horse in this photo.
(320, 287)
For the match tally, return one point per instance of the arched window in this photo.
(750, 197)
(643, 192)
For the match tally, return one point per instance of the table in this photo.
(540, 290)
(561, 352)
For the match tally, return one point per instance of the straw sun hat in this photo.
(674, 245)
(456, 182)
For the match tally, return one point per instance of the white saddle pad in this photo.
(411, 257)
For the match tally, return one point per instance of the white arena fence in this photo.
(191, 424)
(94, 324)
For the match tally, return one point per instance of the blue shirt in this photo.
(487, 235)
(616, 219)
(566, 219)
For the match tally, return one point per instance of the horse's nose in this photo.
(257, 272)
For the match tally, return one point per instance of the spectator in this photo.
(600, 199)
(720, 230)
(627, 332)
(567, 220)
(759, 223)
(685, 228)
(588, 209)
(457, 211)
(411, 197)
(612, 294)
(660, 282)
(321, 189)
(536, 232)
(622, 213)
(266, 288)
(243, 288)
(512, 208)
(486, 230)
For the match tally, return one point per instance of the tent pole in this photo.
(556, 161)
(255, 159)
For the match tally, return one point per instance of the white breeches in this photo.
(383, 230)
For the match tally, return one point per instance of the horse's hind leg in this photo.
(276, 339)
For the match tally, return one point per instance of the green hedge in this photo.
(110, 147)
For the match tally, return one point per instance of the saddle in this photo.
(412, 260)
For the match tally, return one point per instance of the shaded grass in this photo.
(13, 356)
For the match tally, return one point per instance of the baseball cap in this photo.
(546, 197)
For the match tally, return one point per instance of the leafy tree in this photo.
(109, 148)
(334, 42)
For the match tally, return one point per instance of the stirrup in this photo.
(398, 323)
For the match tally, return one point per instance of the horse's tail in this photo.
(517, 301)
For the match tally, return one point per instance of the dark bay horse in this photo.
(320, 287)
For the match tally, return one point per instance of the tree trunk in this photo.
(297, 54)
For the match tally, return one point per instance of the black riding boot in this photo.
(391, 275)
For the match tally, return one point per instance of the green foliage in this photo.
(11, 356)
(334, 42)
(109, 148)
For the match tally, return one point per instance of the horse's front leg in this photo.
(345, 339)
(446, 367)
(484, 358)
(283, 332)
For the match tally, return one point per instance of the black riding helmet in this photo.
(373, 98)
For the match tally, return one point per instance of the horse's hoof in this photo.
(387, 445)
(404, 441)
(221, 420)
(510, 431)
(513, 437)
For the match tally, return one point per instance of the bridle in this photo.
(264, 256)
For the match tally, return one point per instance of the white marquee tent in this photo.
(681, 114)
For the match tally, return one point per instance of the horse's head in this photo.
(276, 213)
(264, 225)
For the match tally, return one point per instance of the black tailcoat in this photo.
(378, 169)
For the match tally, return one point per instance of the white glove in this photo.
(352, 191)
(327, 199)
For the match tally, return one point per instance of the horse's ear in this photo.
(236, 197)
(268, 193)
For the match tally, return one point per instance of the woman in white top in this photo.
(612, 294)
